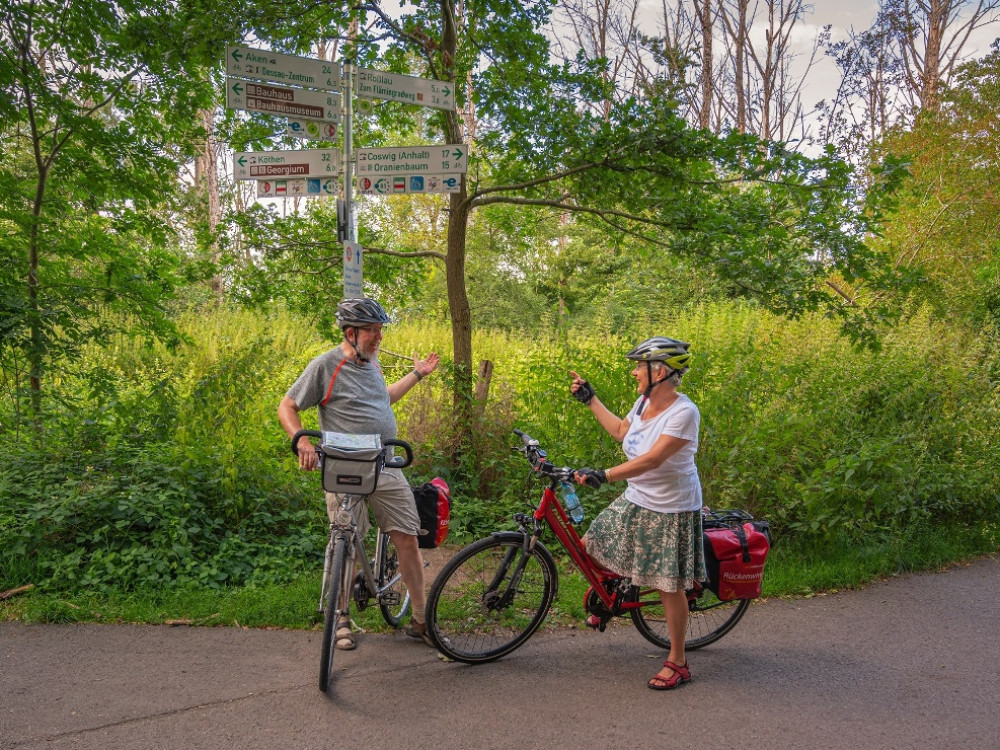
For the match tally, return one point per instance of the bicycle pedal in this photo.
(392, 598)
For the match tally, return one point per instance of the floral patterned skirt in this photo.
(659, 550)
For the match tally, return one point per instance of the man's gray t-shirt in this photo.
(350, 398)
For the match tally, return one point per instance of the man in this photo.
(347, 387)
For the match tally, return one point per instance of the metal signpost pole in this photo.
(353, 260)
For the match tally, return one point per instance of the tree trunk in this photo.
(206, 178)
(704, 11)
(458, 220)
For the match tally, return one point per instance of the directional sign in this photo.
(262, 65)
(311, 129)
(413, 160)
(281, 100)
(427, 92)
(263, 165)
(414, 183)
(314, 188)
(353, 270)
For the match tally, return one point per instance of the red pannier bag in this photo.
(735, 557)
(434, 508)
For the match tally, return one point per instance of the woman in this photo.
(652, 532)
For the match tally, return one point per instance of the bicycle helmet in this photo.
(671, 352)
(360, 312)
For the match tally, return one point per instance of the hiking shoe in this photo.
(419, 630)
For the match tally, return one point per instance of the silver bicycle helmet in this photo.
(360, 312)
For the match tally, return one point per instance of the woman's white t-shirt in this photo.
(673, 486)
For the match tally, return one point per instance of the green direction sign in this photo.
(264, 65)
(271, 99)
(264, 165)
(413, 160)
(427, 92)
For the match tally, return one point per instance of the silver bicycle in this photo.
(378, 578)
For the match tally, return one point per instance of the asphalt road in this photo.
(908, 663)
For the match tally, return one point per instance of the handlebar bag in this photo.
(735, 557)
(352, 471)
(434, 508)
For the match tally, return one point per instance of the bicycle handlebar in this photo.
(538, 459)
(394, 462)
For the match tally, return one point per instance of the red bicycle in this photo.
(494, 594)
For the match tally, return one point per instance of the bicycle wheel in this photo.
(490, 598)
(708, 619)
(395, 602)
(331, 610)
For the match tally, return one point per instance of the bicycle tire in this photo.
(331, 611)
(387, 568)
(708, 619)
(473, 615)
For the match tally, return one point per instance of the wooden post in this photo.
(483, 386)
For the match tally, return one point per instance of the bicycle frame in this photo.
(343, 525)
(550, 511)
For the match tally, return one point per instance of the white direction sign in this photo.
(312, 188)
(353, 270)
(414, 183)
(262, 65)
(413, 160)
(263, 165)
(427, 92)
(281, 100)
(311, 129)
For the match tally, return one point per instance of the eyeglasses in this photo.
(372, 329)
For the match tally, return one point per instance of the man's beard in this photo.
(367, 351)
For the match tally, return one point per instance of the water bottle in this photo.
(571, 502)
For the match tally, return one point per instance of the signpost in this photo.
(414, 183)
(427, 92)
(271, 99)
(264, 65)
(262, 165)
(413, 160)
(308, 92)
(311, 188)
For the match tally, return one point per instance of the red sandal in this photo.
(679, 677)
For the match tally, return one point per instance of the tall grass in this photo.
(173, 468)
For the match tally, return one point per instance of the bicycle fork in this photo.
(494, 600)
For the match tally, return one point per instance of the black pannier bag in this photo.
(434, 508)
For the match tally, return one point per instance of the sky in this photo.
(843, 16)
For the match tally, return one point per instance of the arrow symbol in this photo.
(447, 91)
(237, 55)
(237, 89)
(241, 161)
(457, 153)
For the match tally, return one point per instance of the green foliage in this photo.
(97, 108)
(171, 466)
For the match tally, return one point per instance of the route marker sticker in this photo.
(414, 183)
(263, 165)
(311, 129)
(312, 188)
